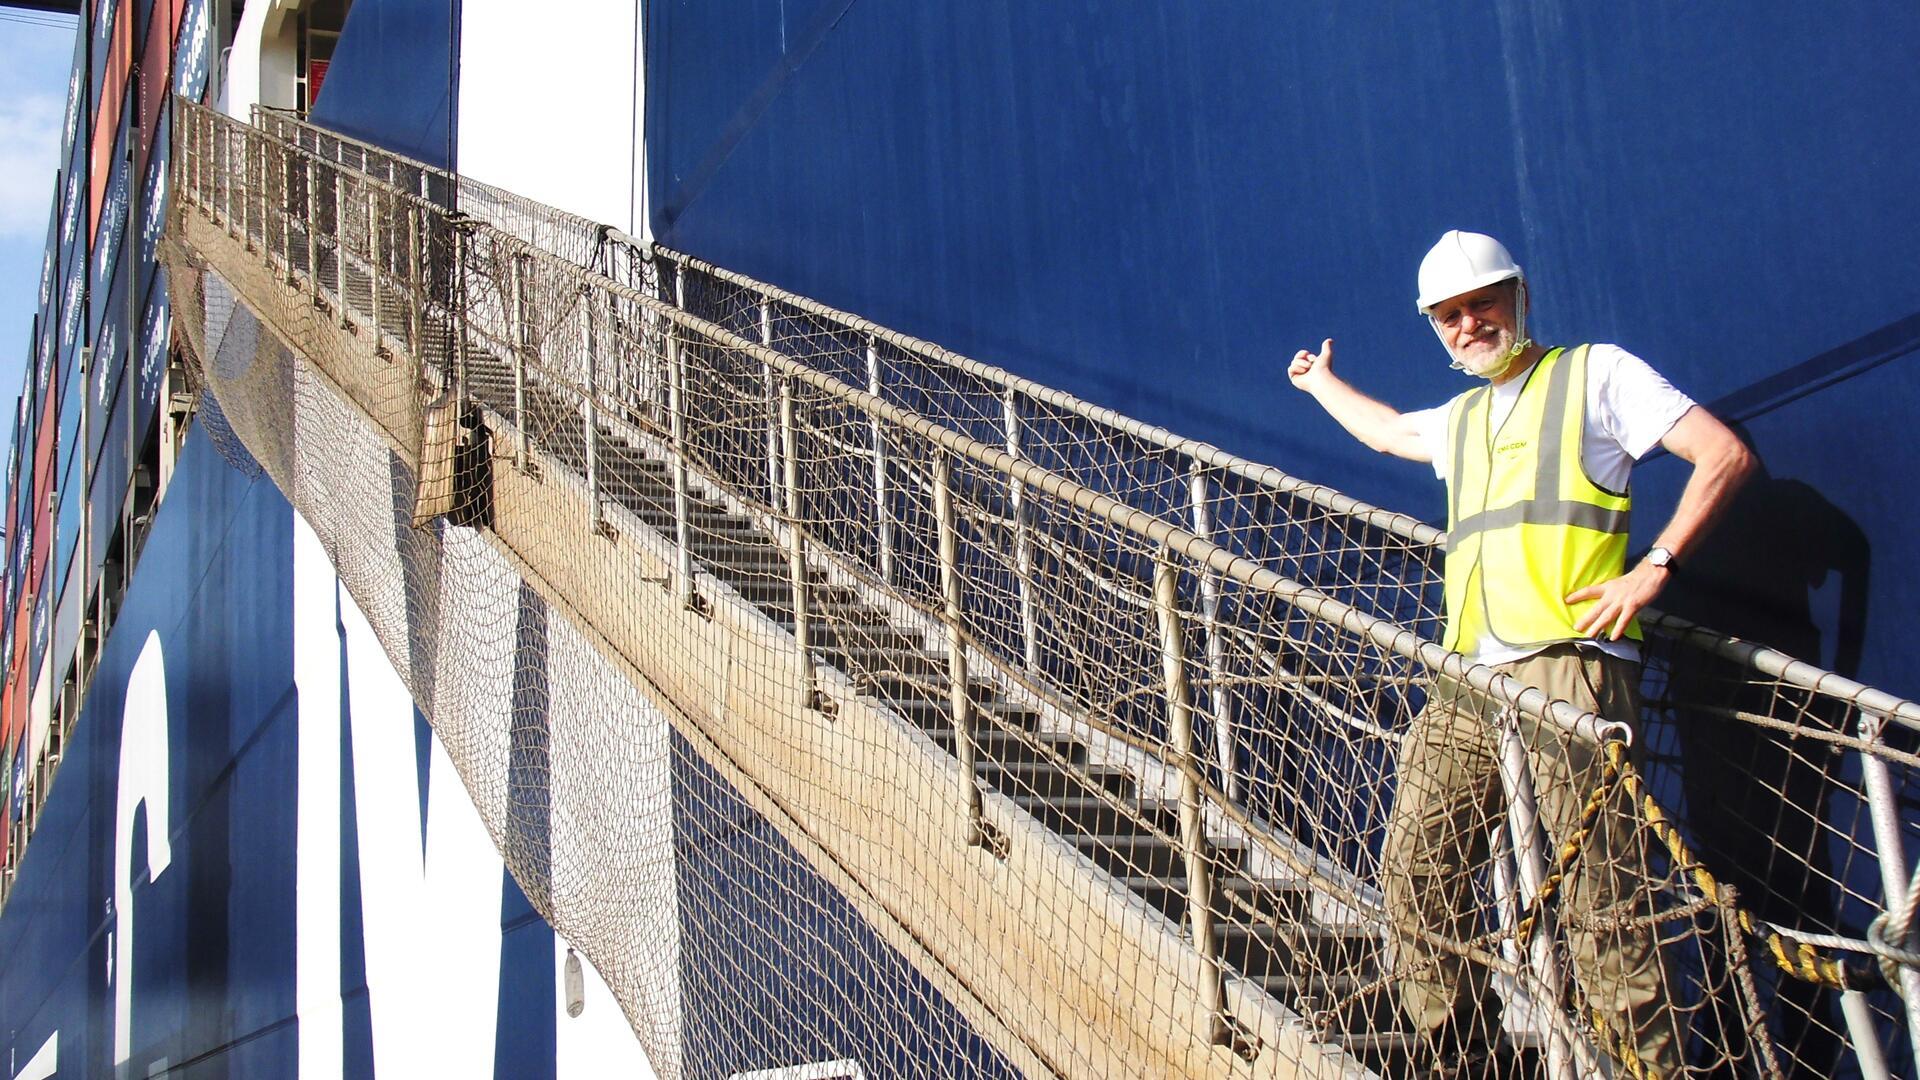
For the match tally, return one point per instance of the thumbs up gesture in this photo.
(1309, 369)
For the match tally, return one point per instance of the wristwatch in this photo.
(1663, 559)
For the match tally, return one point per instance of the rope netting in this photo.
(806, 671)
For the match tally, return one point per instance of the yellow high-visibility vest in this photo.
(1525, 524)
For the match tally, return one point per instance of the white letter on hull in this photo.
(44, 1062)
(316, 921)
(143, 778)
(433, 921)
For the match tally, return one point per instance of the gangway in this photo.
(984, 644)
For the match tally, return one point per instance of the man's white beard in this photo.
(1488, 359)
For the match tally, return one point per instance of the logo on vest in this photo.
(1512, 447)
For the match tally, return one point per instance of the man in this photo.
(1536, 461)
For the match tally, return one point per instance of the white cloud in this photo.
(29, 153)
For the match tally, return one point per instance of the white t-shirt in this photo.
(1630, 408)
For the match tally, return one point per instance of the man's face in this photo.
(1479, 327)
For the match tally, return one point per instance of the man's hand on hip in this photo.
(1619, 600)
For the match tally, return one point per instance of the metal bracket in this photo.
(1228, 1031)
(986, 835)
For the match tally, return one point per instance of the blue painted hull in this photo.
(1150, 209)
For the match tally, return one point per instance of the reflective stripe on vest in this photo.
(1526, 525)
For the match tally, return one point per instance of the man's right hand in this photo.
(1379, 426)
(1309, 370)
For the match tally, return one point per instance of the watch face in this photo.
(1660, 557)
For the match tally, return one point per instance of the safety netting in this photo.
(854, 705)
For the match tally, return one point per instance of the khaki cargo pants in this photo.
(1450, 796)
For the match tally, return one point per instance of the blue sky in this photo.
(36, 52)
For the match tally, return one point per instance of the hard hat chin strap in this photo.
(1521, 342)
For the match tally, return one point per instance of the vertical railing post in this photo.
(766, 386)
(226, 179)
(882, 519)
(1199, 499)
(285, 208)
(373, 264)
(209, 166)
(255, 206)
(313, 231)
(269, 210)
(1022, 543)
(1530, 857)
(236, 191)
(258, 157)
(416, 288)
(236, 216)
(617, 343)
(290, 207)
(953, 616)
(1506, 891)
(186, 139)
(281, 210)
(677, 431)
(242, 136)
(457, 311)
(521, 342)
(797, 546)
(658, 361)
(1890, 847)
(1193, 839)
(236, 188)
(340, 259)
(187, 123)
(591, 407)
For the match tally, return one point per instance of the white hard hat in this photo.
(1460, 263)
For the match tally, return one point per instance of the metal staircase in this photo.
(1265, 929)
(1285, 608)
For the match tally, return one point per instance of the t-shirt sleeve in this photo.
(1634, 404)
(1432, 426)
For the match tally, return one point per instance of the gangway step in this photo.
(862, 661)
(1263, 930)
(1329, 947)
(1044, 779)
(1097, 815)
(854, 616)
(777, 595)
(1240, 899)
(1129, 855)
(1013, 747)
(1345, 1008)
(925, 703)
(860, 629)
(705, 523)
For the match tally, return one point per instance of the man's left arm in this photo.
(1721, 463)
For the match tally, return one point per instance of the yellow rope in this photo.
(1798, 959)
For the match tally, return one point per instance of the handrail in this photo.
(1529, 700)
(1772, 662)
(1404, 525)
